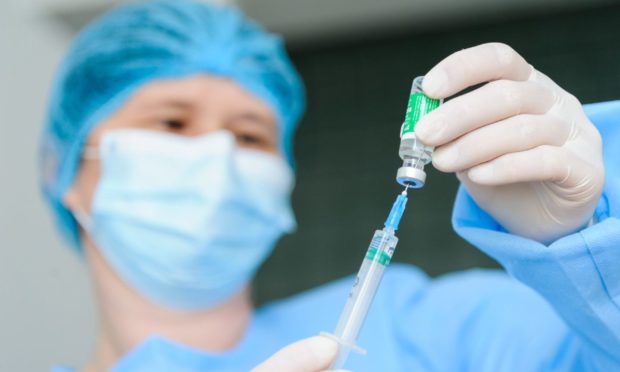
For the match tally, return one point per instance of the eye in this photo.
(173, 124)
(249, 139)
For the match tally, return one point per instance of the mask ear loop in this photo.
(91, 153)
(82, 218)
(80, 215)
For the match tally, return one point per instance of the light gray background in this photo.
(46, 311)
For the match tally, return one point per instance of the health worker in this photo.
(167, 162)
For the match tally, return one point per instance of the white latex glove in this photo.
(521, 145)
(308, 355)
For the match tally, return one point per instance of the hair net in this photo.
(134, 44)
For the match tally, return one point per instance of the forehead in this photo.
(196, 96)
(203, 91)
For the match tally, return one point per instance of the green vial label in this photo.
(419, 105)
(380, 256)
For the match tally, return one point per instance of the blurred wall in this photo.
(46, 311)
(346, 152)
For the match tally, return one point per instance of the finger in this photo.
(515, 134)
(488, 104)
(543, 163)
(308, 355)
(467, 67)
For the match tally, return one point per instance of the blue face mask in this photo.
(187, 221)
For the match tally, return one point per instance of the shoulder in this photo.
(486, 301)
(405, 288)
(489, 289)
(476, 280)
(491, 299)
(497, 315)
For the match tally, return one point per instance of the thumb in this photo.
(308, 355)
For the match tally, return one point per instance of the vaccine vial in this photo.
(415, 155)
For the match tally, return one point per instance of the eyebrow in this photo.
(171, 102)
(263, 123)
(254, 117)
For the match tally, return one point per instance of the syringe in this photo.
(366, 284)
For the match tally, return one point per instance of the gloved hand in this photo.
(521, 145)
(308, 355)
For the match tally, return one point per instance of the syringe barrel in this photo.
(363, 291)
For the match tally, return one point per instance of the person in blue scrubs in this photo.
(167, 162)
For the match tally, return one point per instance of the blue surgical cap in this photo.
(134, 44)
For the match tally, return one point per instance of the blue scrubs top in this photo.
(562, 313)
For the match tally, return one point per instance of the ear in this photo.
(73, 202)
(71, 199)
